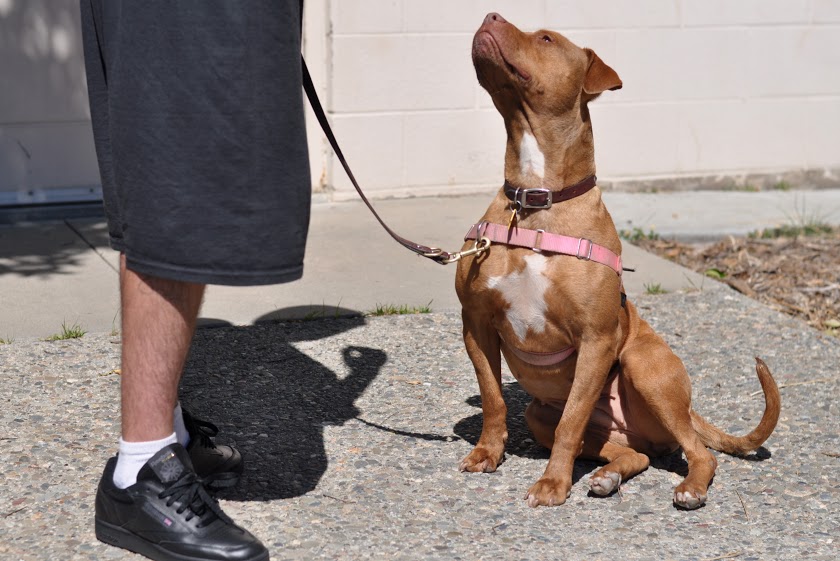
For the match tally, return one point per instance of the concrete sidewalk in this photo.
(55, 273)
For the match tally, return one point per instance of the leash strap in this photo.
(433, 253)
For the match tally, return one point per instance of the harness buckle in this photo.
(535, 198)
(588, 254)
(538, 241)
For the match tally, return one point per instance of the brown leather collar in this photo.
(544, 198)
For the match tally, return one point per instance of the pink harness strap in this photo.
(541, 359)
(539, 240)
(608, 415)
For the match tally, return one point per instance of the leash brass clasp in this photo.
(480, 246)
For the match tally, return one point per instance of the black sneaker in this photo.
(169, 516)
(218, 464)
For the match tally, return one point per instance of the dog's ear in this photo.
(599, 76)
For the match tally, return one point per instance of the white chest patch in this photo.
(531, 158)
(525, 293)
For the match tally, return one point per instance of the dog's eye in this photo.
(547, 39)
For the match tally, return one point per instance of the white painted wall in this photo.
(711, 88)
(46, 146)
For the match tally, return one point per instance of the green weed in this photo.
(392, 310)
(800, 223)
(74, 331)
(654, 288)
(637, 235)
(810, 228)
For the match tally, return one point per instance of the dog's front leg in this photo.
(482, 343)
(593, 365)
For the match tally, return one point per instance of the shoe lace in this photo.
(204, 431)
(190, 491)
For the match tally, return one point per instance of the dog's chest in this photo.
(523, 296)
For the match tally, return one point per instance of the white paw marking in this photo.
(524, 291)
(605, 485)
(531, 158)
(689, 500)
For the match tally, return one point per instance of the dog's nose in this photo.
(493, 17)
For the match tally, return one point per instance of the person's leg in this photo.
(136, 504)
(158, 322)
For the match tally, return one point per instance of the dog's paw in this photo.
(688, 499)
(482, 460)
(548, 492)
(604, 482)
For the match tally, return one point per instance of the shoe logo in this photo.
(168, 468)
(150, 509)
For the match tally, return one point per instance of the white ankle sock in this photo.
(180, 428)
(134, 455)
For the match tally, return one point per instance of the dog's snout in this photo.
(493, 17)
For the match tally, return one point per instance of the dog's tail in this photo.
(715, 438)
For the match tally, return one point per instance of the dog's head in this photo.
(543, 70)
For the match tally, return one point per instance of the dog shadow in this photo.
(521, 442)
(273, 401)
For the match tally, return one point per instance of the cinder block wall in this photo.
(716, 92)
(46, 145)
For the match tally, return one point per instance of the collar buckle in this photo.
(535, 198)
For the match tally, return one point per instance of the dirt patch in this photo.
(797, 275)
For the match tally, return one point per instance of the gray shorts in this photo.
(197, 115)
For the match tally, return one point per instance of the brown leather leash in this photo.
(433, 253)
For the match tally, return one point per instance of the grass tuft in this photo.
(805, 229)
(392, 310)
(654, 288)
(637, 235)
(74, 331)
(799, 224)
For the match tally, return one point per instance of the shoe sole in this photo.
(122, 538)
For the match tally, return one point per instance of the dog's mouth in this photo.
(486, 48)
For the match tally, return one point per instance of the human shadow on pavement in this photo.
(273, 401)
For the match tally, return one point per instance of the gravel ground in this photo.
(353, 430)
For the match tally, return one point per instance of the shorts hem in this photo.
(203, 276)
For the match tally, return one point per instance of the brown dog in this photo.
(605, 386)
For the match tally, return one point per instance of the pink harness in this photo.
(608, 415)
(541, 359)
(540, 240)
